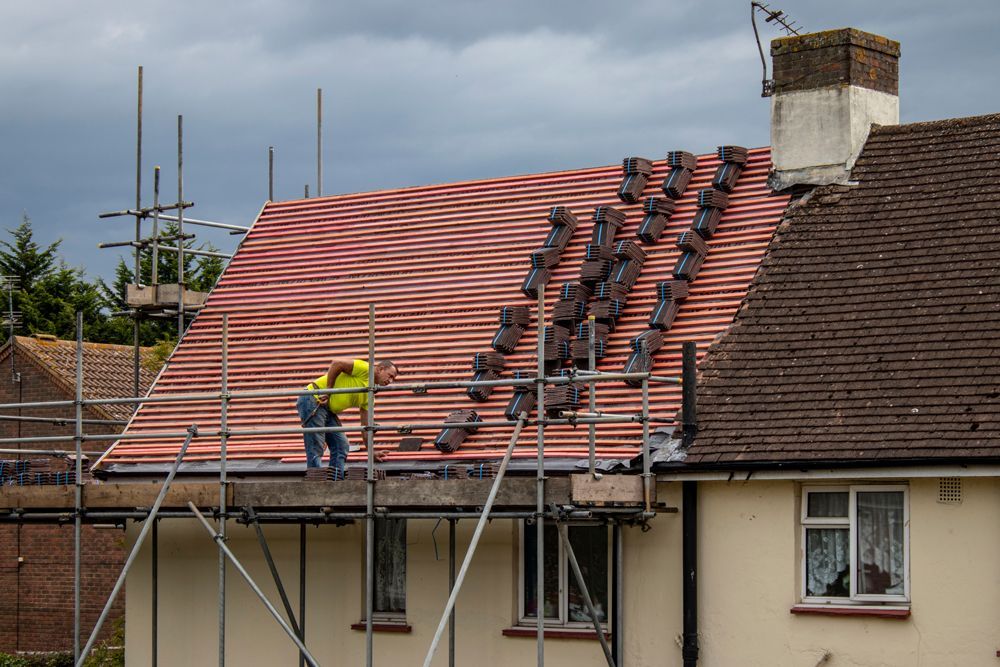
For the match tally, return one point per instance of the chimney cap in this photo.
(831, 38)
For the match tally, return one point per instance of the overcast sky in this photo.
(414, 93)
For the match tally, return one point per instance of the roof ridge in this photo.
(944, 123)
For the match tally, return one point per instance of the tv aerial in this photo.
(784, 22)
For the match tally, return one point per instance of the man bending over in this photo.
(323, 410)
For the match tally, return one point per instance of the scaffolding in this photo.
(295, 628)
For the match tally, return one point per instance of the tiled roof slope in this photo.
(438, 262)
(107, 369)
(872, 332)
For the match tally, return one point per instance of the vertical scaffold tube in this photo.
(647, 475)
(370, 505)
(223, 443)
(592, 395)
(155, 594)
(540, 487)
(302, 590)
(452, 523)
(78, 491)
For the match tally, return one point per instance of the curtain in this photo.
(880, 542)
(551, 572)
(590, 545)
(390, 566)
(828, 562)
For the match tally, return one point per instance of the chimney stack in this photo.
(829, 88)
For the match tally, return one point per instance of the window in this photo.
(855, 544)
(390, 570)
(564, 604)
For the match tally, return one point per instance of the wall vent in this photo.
(950, 490)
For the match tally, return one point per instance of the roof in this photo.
(438, 262)
(107, 369)
(872, 332)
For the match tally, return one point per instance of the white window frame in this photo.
(850, 521)
(565, 573)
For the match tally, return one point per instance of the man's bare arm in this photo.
(364, 417)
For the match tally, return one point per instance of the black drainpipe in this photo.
(689, 650)
(689, 502)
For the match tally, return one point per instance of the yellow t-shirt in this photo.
(358, 377)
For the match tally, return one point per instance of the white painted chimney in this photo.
(829, 88)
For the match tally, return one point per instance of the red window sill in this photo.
(844, 610)
(553, 633)
(383, 627)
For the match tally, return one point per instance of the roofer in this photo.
(323, 410)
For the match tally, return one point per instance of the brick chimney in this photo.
(829, 88)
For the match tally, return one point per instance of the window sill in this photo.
(553, 633)
(898, 612)
(383, 627)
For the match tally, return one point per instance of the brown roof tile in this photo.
(107, 369)
(872, 329)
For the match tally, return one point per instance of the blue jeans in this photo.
(311, 417)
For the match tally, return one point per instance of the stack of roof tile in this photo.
(670, 294)
(514, 320)
(572, 304)
(648, 341)
(524, 397)
(657, 211)
(581, 346)
(561, 397)
(564, 223)
(43, 471)
(711, 202)
(607, 221)
(487, 367)
(640, 361)
(637, 171)
(324, 474)
(361, 473)
(450, 439)
(733, 158)
(453, 471)
(484, 470)
(682, 165)
(693, 254)
(557, 343)
(545, 258)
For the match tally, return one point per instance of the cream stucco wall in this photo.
(749, 582)
(188, 621)
(748, 578)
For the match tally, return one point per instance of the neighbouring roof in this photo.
(108, 370)
(438, 262)
(872, 331)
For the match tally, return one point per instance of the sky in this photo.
(413, 93)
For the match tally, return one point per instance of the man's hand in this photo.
(323, 399)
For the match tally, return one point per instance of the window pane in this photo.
(827, 504)
(390, 566)
(880, 542)
(828, 562)
(590, 544)
(551, 571)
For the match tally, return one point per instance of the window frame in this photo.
(565, 572)
(850, 521)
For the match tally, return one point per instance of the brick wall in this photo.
(835, 57)
(36, 594)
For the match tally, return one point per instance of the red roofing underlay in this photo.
(438, 262)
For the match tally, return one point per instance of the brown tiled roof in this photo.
(107, 369)
(872, 329)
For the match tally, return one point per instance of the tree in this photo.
(24, 259)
